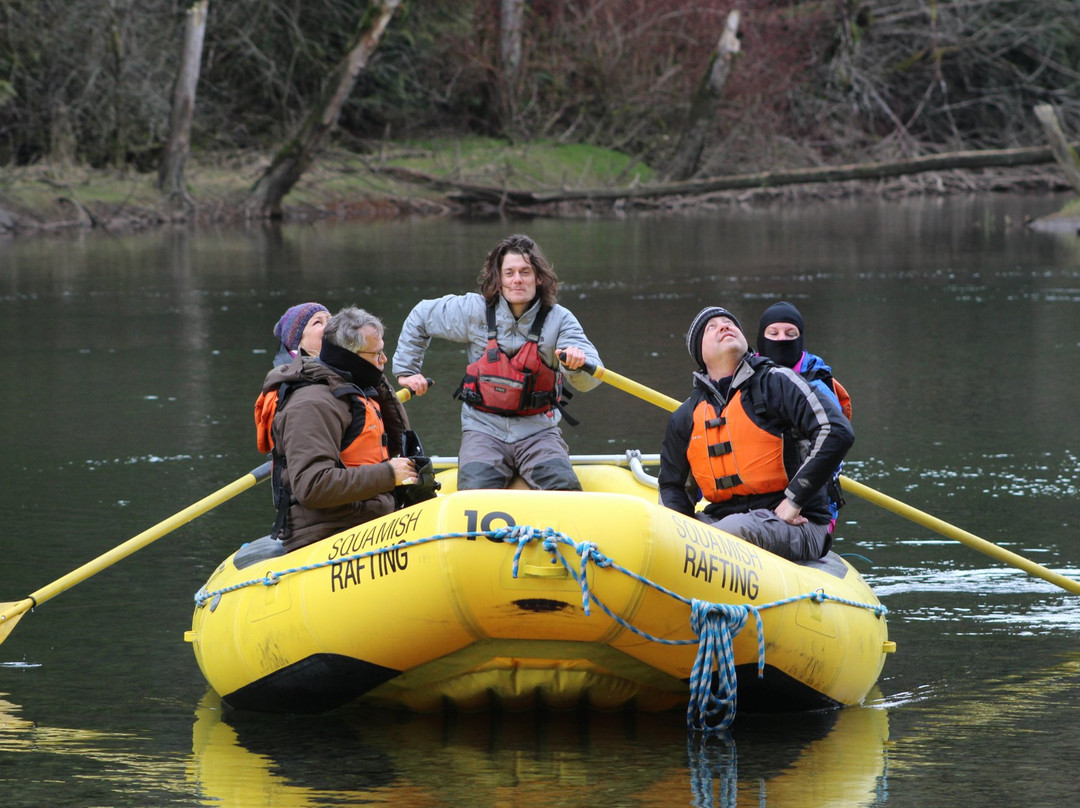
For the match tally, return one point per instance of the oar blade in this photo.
(12, 613)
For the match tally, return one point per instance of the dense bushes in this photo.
(90, 80)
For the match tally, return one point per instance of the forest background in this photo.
(597, 92)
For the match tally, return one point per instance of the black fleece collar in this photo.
(351, 366)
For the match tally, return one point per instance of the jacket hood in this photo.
(302, 368)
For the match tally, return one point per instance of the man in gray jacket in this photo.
(511, 394)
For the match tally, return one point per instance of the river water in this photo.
(133, 366)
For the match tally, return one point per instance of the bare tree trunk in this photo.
(294, 158)
(686, 159)
(62, 142)
(511, 24)
(178, 147)
(1063, 152)
(116, 48)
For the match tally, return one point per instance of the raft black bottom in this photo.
(327, 681)
(314, 685)
(776, 692)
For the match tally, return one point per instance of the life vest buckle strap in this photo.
(718, 449)
(730, 481)
(713, 423)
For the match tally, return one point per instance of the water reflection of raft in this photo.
(453, 602)
(244, 760)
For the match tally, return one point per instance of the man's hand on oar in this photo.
(415, 385)
(573, 358)
(630, 386)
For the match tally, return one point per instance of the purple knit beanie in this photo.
(290, 328)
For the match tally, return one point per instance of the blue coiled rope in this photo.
(713, 699)
(712, 704)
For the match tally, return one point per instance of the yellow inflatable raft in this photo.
(523, 598)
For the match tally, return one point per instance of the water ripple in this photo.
(995, 477)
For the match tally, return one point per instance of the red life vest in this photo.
(731, 456)
(518, 385)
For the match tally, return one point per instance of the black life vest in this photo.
(518, 385)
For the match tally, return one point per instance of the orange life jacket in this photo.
(370, 445)
(843, 397)
(363, 442)
(731, 456)
(518, 385)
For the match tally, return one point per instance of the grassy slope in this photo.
(340, 183)
(345, 184)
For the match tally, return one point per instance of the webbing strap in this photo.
(730, 481)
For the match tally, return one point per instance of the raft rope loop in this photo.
(713, 699)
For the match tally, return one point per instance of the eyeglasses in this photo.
(377, 354)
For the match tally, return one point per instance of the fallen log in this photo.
(472, 194)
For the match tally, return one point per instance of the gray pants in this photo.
(542, 460)
(765, 529)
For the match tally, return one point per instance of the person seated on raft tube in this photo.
(756, 440)
(335, 419)
(780, 338)
(516, 331)
(300, 330)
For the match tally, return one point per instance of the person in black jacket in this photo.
(755, 440)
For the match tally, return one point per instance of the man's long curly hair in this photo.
(489, 280)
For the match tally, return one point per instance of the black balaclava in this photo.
(785, 352)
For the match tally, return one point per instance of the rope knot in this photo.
(522, 535)
(507, 534)
(271, 578)
(713, 699)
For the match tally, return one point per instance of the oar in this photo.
(962, 536)
(630, 386)
(12, 612)
(869, 494)
(404, 394)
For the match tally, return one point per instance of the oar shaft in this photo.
(104, 560)
(631, 387)
(962, 536)
(11, 612)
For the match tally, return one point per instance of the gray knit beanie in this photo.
(697, 330)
